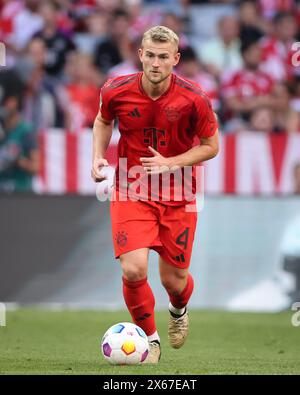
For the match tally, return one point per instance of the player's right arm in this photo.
(102, 132)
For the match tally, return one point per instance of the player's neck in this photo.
(154, 91)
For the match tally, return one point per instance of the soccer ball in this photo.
(125, 344)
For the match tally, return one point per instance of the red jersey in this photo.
(246, 83)
(277, 59)
(8, 13)
(169, 124)
(83, 101)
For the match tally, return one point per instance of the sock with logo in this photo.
(140, 302)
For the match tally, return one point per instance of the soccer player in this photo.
(159, 116)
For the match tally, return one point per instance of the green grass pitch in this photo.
(37, 341)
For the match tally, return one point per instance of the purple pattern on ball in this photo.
(144, 356)
(107, 349)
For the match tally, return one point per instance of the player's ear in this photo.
(176, 59)
(140, 51)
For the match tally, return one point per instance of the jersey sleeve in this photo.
(106, 102)
(206, 120)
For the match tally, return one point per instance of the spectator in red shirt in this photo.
(277, 47)
(249, 88)
(9, 9)
(80, 95)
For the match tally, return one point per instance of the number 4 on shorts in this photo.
(182, 239)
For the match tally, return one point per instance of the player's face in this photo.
(158, 60)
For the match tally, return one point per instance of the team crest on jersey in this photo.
(121, 238)
(172, 114)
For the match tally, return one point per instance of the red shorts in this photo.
(169, 230)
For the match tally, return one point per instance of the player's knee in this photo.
(133, 272)
(173, 285)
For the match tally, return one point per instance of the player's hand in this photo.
(156, 164)
(98, 165)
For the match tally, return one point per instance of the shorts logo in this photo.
(172, 114)
(179, 258)
(121, 238)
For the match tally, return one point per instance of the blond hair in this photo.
(161, 34)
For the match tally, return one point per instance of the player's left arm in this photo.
(206, 129)
(208, 149)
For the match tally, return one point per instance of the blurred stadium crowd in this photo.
(60, 52)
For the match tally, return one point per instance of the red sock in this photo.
(181, 300)
(140, 302)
